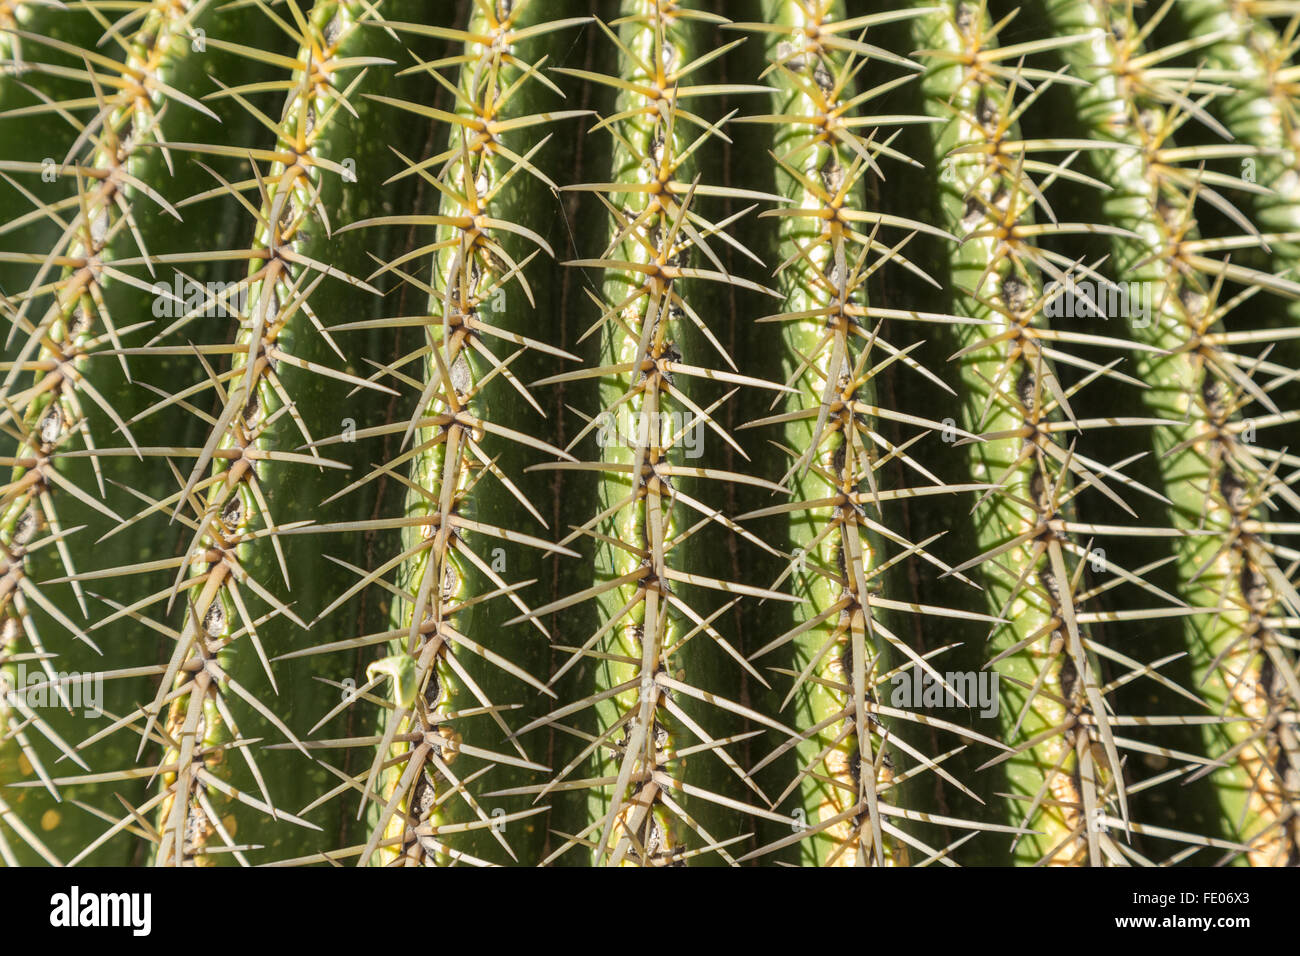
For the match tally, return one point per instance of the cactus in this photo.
(648, 433)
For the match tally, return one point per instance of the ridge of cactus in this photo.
(653, 803)
(80, 386)
(201, 731)
(836, 346)
(450, 694)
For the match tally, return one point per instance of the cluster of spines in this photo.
(1249, 62)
